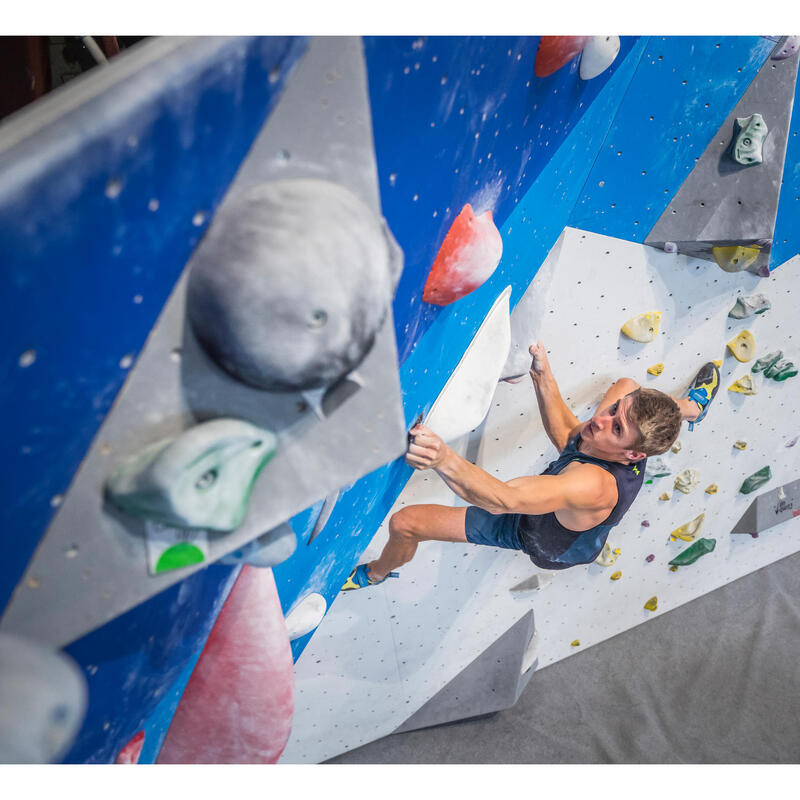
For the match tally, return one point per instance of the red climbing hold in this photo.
(131, 752)
(468, 256)
(555, 51)
(238, 705)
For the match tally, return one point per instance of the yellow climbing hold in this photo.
(740, 445)
(664, 496)
(616, 576)
(643, 327)
(656, 369)
(652, 603)
(712, 489)
(743, 346)
(735, 259)
(576, 643)
(745, 385)
(717, 362)
(689, 531)
(673, 569)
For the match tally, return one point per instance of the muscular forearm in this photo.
(557, 419)
(472, 484)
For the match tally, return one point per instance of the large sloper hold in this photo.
(747, 306)
(555, 51)
(723, 204)
(467, 396)
(743, 346)
(201, 479)
(174, 384)
(771, 508)
(598, 55)
(756, 480)
(43, 699)
(643, 327)
(700, 548)
(305, 615)
(246, 666)
(492, 682)
(468, 256)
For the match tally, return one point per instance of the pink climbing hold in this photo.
(754, 535)
(670, 247)
(650, 558)
(788, 48)
(469, 255)
(238, 705)
(555, 51)
(645, 523)
(131, 752)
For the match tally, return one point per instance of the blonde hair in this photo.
(658, 419)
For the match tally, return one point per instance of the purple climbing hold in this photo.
(645, 523)
(763, 271)
(650, 558)
(670, 247)
(793, 442)
(788, 48)
(754, 535)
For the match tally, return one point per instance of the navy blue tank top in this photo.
(552, 546)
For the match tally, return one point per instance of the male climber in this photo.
(563, 516)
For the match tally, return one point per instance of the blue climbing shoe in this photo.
(703, 389)
(359, 579)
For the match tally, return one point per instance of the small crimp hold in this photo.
(664, 496)
(688, 532)
(615, 576)
(747, 306)
(687, 480)
(755, 480)
(643, 327)
(767, 361)
(652, 603)
(748, 141)
(700, 548)
(650, 558)
(744, 385)
(645, 523)
(676, 448)
(656, 369)
(712, 488)
(740, 445)
(743, 346)
(576, 643)
(673, 569)
(670, 247)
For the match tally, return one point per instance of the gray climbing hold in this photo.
(747, 306)
(201, 479)
(43, 699)
(292, 283)
(747, 145)
(657, 467)
(268, 550)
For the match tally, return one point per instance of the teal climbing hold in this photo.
(767, 361)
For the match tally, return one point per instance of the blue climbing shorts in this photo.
(494, 530)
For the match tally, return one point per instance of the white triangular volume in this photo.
(467, 395)
(598, 55)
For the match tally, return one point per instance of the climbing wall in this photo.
(514, 188)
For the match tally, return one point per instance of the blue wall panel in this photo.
(682, 92)
(88, 266)
(458, 120)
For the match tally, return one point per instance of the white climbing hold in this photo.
(306, 615)
(643, 327)
(598, 55)
(687, 480)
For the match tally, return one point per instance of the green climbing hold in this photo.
(783, 370)
(767, 361)
(699, 548)
(179, 555)
(755, 480)
(746, 147)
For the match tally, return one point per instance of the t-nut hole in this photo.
(319, 318)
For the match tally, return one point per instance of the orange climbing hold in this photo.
(555, 51)
(468, 256)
